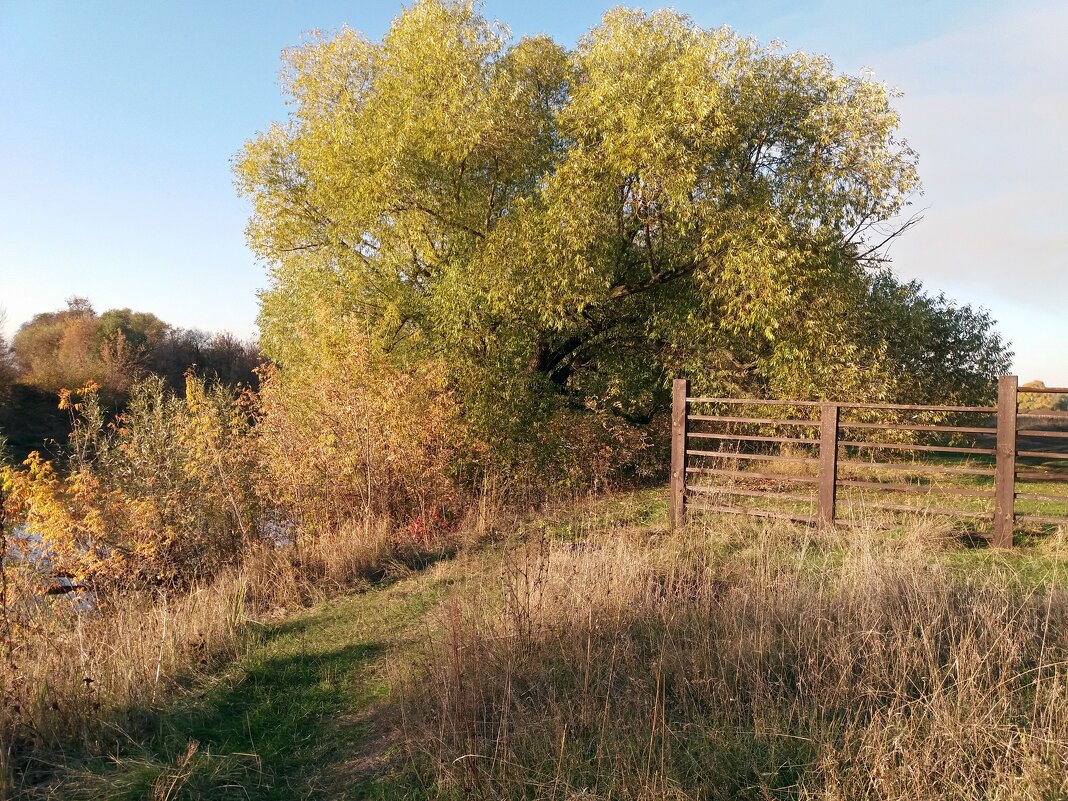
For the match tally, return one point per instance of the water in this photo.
(29, 551)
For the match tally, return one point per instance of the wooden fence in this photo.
(718, 451)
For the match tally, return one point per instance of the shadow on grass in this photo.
(300, 717)
(265, 735)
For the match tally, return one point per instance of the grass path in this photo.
(297, 718)
(305, 713)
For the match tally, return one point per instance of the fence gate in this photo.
(827, 463)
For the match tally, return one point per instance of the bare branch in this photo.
(911, 221)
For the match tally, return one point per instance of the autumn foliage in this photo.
(347, 435)
(161, 495)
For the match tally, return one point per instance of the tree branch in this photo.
(443, 219)
(911, 221)
(620, 291)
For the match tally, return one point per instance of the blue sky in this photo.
(119, 120)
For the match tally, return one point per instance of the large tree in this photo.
(7, 361)
(578, 226)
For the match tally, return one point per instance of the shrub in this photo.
(160, 496)
(347, 436)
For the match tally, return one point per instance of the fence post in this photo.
(1005, 465)
(828, 475)
(680, 390)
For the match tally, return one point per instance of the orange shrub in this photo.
(346, 435)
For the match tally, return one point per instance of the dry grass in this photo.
(600, 657)
(90, 681)
(742, 662)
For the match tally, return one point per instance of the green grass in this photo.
(294, 719)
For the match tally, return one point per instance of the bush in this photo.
(347, 436)
(161, 496)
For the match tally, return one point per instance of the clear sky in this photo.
(118, 121)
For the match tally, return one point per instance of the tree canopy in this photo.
(67, 348)
(574, 227)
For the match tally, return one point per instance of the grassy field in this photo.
(591, 654)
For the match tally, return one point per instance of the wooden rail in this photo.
(819, 456)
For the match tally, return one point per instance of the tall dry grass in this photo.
(732, 663)
(84, 682)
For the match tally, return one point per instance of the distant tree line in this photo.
(75, 346)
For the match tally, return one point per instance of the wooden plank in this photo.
(900, 446)
(711, 471)
(921, 489)
(1037, 432)
(680, 388)
(1036, 476)
(751, 438)
(1055, 521)
(1044, 454)
(922, 510)
(1045, 390)
(755, 401)
(778, 496)
(898, 406)
(761, 457)
(1005, 469)
(741, 510)
(1045, 415)
(917, 467)
(828, 474)
(711, 418)
(896, 427)
(916, 408)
